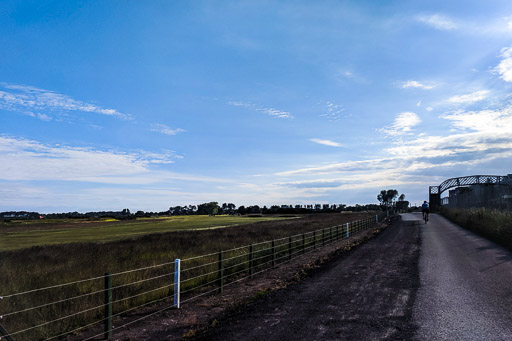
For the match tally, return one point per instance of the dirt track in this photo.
(368, 295)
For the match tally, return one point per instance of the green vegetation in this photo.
(24, 234)
(491, 224)
(44, 266)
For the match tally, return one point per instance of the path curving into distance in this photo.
(412, 282)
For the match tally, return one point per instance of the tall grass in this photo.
(491, 224)
(44, 266)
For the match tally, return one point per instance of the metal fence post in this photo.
(108, 307)
(220, 274)
(4, 333)
(376, 218)
(251, 260)
(290, 247)
(348, 229)
(273, 253)
(177, 279)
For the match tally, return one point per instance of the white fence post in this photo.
(347, 229)
(377, 219)
(177, 268)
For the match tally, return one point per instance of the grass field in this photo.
(134, 245)
(23, 234)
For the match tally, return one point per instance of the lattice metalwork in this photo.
(467, 181)
(434, 190)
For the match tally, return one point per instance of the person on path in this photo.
(425, 210)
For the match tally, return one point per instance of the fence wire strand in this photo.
(302, 244)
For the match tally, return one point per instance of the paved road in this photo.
(412, 282)
(466, 286)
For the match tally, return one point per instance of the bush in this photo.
(491, 224)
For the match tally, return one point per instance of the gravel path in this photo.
(368, 294)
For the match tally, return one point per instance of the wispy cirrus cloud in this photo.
(27, 99)
(482, 137)
(504, 68)
(469, 98)
(164, 129)
(334, 112)
(268, 111)
(415, 84)
(326, 142)
(402, 125)
(31, 160)
(438, 21)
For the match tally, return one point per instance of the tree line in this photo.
(387, 199)
(210, 208)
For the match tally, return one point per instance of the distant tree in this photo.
(210, 208)
(386, 197)
(402, 204)
(242, 210)
(254, 209)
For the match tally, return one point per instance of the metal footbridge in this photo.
(435, 191)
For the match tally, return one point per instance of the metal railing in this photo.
(69, 308)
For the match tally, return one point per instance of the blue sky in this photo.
(150, 104)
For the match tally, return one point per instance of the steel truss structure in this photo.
(435, 191)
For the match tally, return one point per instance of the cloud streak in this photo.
(334, 112)
(26, 99)
(438, 21)
(469, 98)
(504, 68)
(268, 111)
(164, 129)
(33, 161)
(416, 84)
(403, 124)
(326, 142)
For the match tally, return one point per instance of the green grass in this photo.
(48, 265)
(491, 224)
(37, 233)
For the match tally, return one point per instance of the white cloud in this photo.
(438, 21)
(334, 112)
(429, 108)
(31, 160)
(403, 124)
(326, 142)
(416, 84)
(162, 128)
(269, 111)
(470, 98)
(241, 104)
(504, 68)
(276, 113)
(21, 98)
(487, 121)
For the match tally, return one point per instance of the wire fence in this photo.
(68, 308)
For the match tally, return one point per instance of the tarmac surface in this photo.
(466, 285)
(414, 281)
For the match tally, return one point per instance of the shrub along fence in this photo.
(62, 309)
